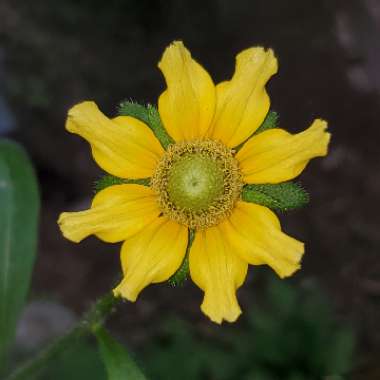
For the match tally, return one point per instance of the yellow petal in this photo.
(255, 233)
(124, 146)
(242, 102)
(117, 213)
(187, 105)
(151, 256)
(218, 272)
(276, 156)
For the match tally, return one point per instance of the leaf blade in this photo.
(19, 207)
(117, 360)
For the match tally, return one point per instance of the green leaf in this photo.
(117, 360)
(182, 273)
(339, 354)
(19, 207)
(283, 196)
(150, 116)
(66, 365)
(110, 180)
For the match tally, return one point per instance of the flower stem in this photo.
(91, 320)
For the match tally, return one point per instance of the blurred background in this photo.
(325, 320)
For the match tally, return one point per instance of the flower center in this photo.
(198, 183)
(195, 181)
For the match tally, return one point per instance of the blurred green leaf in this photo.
(169, 355)
(339, 354)
(19, 207)
(118, 362)
(80, 361)
(289, 334)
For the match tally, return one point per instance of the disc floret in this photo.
(197, 183)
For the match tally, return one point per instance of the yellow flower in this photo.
(196, 183)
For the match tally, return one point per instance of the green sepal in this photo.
(109, 180)
(270, 122)
(182, 273)
(282, 197)
(150, 116)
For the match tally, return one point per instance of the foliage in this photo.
(19, 205)
(80, 361)
(116, 358)
(292, 335)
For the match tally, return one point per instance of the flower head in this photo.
(197, 182)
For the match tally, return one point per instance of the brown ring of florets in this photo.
(222, 206)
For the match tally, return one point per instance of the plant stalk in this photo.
(91, 320)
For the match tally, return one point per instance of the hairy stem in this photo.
(91, 320)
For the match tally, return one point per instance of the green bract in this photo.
(110, 180)
(181, 275)
(150, 116)
(283, 196)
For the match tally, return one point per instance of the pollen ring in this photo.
(197, 183)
